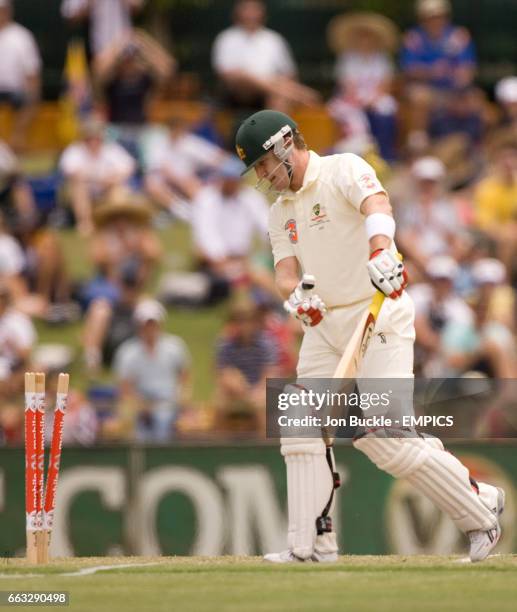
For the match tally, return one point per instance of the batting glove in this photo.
(304, 305)
(387, 273)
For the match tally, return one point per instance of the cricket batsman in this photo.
(332, 219)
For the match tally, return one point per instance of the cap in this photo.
(506, 90)
(432, 8)
(149, 310)
(442, 267)
(254, 136)
(488, 271)
(428, 169)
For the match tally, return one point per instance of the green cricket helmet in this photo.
(263, 132)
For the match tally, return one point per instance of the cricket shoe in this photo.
(287, 556)
(483, 542)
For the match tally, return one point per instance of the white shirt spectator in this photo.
(433, 225)
(182, 156)
(225, 226)
(109, 19)
(19, 57)
(16, 334)
(78, 161)
(262, 53)
(12, 260)
(155, 376)
(365, 73)
(450, 310)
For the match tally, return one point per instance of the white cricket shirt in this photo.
(322, 227)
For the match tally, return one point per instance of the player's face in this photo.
(272, 174)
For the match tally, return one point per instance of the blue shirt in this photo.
(252, 358)
(453, 49)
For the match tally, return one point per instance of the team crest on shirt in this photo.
(368, 181)
(318, 215)
(290, 227)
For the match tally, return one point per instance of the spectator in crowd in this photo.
(109, 318)
(176, 163)
(245, 357)
(428, 223)
(506, 96)
(109, 19)
(479, 344)
(438, 60)
(364, 71)
(495, 200)
(20, 66)
(17, 338)
(255, 65)
(226, 218)
(436, 306)
(282, 330)
(490, 284)
(33, 267)
(91, 167)
(128, 71)
(153, 370)
(123, 232)
(461, 115)
(16, 200)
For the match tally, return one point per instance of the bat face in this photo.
(367, 335)
(355, 350)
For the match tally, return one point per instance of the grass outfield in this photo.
(355, 583)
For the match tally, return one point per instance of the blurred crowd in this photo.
(408, 102)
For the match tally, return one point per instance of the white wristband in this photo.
(380, 224)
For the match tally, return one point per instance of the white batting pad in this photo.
(434, 472)
(309, 486)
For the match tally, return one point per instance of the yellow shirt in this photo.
(321, 225)
(495, 202)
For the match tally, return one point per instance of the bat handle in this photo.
(308, 282)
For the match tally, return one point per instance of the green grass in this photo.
(229, 584)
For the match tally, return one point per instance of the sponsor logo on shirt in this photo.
(290, 227)
(318, 215)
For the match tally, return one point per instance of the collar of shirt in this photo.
(311, 174)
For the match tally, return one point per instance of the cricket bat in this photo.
(355, 350)
(350, 362)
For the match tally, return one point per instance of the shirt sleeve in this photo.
(31, 60)
(122, 161)
(122, 365)
(286, 64)
(180, 354)
(222, 55)
(281, 244)
(71, 161)
(357, 180)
